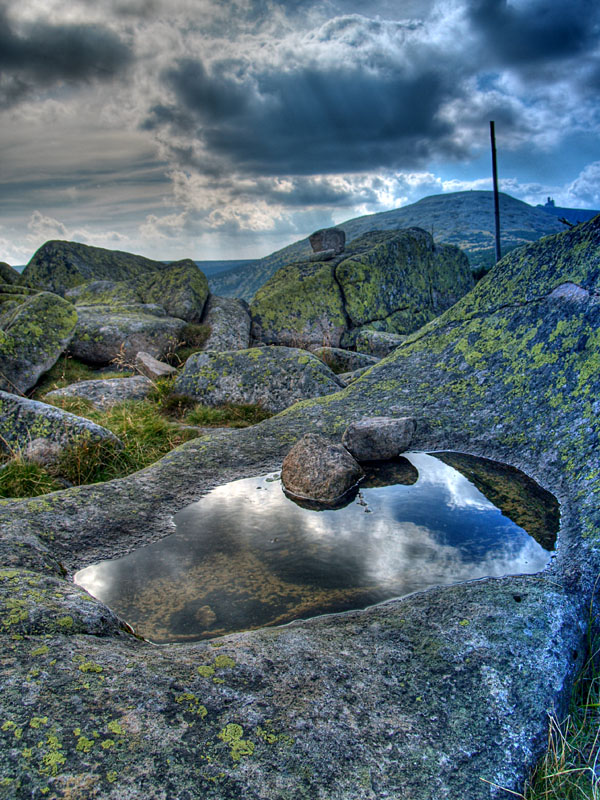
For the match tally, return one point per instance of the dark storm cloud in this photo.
(308, 120)
(539, 31)
(45, 55)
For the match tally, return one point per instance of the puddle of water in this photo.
(245, 556)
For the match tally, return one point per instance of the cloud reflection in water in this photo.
(245, 555)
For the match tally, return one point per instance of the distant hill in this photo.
(465, 219)
(216, 267)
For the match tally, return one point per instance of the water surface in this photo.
(245, 555)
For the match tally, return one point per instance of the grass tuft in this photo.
(570, 770)
(69, 370)
(230, 415)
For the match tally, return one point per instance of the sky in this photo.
(226, 129)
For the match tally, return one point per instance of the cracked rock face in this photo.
(455, 680)
(388, 281)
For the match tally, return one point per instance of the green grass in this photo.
(148, 429)
(229, 415)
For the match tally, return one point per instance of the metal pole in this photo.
(496, 198)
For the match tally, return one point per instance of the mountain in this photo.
(216, 267)
(465, 219)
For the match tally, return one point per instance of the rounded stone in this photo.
(319, 470)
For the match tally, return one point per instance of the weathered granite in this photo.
(35, 328)
(24, 421)
(378, 438)
(273, 377)
(319, 470)
(105, 332)
(438, 696)
(392, 281)
(229, 321)
(107, 392)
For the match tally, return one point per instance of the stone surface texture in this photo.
(389, 281)
(273, 377)
(437, 696)
(105, 332)
(24, 421)
(379, 438)
(107, 392)
(229, 321)
(320, 470)
(328, 239)
(35, 328)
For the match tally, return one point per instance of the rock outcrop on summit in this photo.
(387, 281)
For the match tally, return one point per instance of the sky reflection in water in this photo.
(245, 555)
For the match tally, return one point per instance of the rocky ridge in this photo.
(465, 675)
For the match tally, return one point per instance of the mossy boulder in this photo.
(35, 328)
(113, 277)
(377, 343)
(58, 266)
(387, 281)
(104, 333)
(273, 377)
(180, 289)
(229, 323)
(25, 422)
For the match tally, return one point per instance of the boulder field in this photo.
(441, 695)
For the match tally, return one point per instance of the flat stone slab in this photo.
(340, 360)
(153, 368)
(107, 392)
(379, 438)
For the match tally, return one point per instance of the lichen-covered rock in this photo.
(301, 306)
(377, 343)
(107, 392)
(179, 288)
(35, 328)
(455, 680)
(153, 368)
(8, 274)
(229, 321)
(104, 333)
(387, 281)
(340, 360)
(378, 438)
(23, 421)
(109, 277)
(319, 470)
(273, 377)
